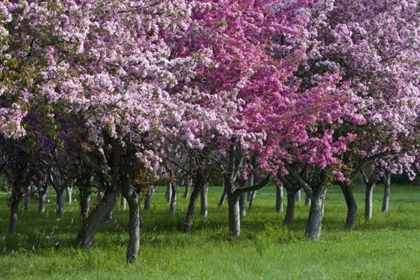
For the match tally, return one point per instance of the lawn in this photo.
(385, 247)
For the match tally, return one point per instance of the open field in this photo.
(386, 247)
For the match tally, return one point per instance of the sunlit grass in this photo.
(386, 247)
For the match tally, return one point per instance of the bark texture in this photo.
(316, 214)
(347, 190)
(100, 213)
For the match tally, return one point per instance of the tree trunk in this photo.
(187, 188)
(369, 201)
(91, 224)
(189, 219)
(279, 199)
(316, 213)
(234, 215)
(204, 206)
(347, 190)
(27, 200)
(290, 210)
(69, 194)
(84, 196)
(199, 182)
(172, 202)
(42, 195)
(222, 198)
(148, 198)
(59, 208)
(252, 196)
(132, 198)
(242, 205)
(387, 191)
(307, 199)
(168, 193)
(298, 196)
(123, 203)
(15, 199)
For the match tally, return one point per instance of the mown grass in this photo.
(386, 247)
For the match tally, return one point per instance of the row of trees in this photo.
(123, 93)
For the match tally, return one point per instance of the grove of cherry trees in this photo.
(116, 95)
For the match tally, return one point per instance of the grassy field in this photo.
(386, 247)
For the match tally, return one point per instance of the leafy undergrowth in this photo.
(386, 247)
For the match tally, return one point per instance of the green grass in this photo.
(385, 247)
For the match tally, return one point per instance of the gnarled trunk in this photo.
(347, 190)
(97, 216)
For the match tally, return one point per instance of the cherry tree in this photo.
(372, 46)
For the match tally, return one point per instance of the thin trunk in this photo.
(242, 205)
(59, 208)
(199, 182)
(172, 202)
(42, 195)
(347, 190)
(168, 193)
(100, 213)
(123, 203)
(27, 200)
(251, 199)
(298, 197)
(222, 198)
(204, 206)
(279, 199)
(148, 198)
(307, 199)
(387, 191)
(14, 209)
(368, 201)
(253, 194)
(85, 196)
(316, 213)
(69, 194)
(290, 210)
(187, 188)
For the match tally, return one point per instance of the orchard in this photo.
(117, 97)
